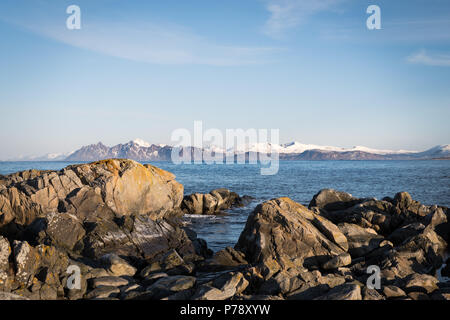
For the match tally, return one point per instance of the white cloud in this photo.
(288, 14)
(422, 57)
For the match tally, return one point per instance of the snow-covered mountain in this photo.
(137, 149)
(297, 147)
(141, 150)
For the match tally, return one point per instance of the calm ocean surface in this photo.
(426, 181)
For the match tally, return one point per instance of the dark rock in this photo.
(360, 240)
(103, 292)
(58, 229)
(167, 286)
(283, 283)
(405, 232)
(109, 282)
(214, 202)
(421, 283)
(332, 200)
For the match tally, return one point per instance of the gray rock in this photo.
(343, 292)
(231, 283)
(342, 260)
(279, 234)
(208, 292)
(167, 286)
(283, 283)
(109, 282)
(360, 240)
(391, 291)
(117, 266)
(371, 294)
(421, 283)
(332, 200)
(5, 251)
(11, 296)
(25, 262)
(103, 292)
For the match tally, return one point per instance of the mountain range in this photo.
(141, 150)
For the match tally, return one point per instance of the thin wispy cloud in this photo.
(144, 41)
(286, 15)
(424, 58)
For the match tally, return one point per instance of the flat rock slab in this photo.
(343, 292)
(109, 282)
(103, 292)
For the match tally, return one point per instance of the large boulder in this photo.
(281, 233)
(121, 187)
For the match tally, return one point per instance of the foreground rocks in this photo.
(110, 218)
(115, 223)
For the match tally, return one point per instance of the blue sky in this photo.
(145, 68)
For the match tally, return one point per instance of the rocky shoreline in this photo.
(118, 223)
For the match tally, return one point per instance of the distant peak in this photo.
(141, 142)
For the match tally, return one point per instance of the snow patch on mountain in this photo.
(141, 142)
